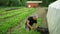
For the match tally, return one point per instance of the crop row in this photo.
(8, 14)
(11, 22)
(22, 30)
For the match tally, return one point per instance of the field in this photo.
(22, 30)
(9, 19)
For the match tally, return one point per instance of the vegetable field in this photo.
(9, 19)
(22, 30)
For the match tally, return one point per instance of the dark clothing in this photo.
(32, 21)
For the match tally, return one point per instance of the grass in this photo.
(12, 18)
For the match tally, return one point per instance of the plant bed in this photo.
(9, 9)
(22, 30)
(14, 20)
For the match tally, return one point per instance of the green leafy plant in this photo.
(14, 20)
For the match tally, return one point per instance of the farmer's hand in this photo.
(36, 26)
(32, 28)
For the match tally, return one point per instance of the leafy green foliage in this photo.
(47, 2)
(12, 2)
(22, 2)
(12, 21)
(33, 0)
(22, 30)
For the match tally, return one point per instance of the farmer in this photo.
(30, 21)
